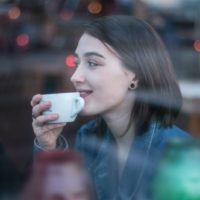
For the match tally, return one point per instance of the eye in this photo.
(93, 63)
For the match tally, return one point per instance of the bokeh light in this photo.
(197, 45)
(94, 7)
(70, 61)
(14, 13)
(22, 40)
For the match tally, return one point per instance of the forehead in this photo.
(88, 43)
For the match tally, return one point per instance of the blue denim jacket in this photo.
(143, 157)
(135, 180)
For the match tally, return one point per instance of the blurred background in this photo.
(37, 38)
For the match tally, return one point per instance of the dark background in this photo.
(36, 36)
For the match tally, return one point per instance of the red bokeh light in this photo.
(22, 40)
(70, 61)
(197, 45)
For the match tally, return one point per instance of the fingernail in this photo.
(53, 116)
(47, 103)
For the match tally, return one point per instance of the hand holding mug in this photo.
(67, 105)
(48, 120)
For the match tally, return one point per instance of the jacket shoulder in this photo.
(85, 134)
(87, 128)
(166, 134)
(175, 131)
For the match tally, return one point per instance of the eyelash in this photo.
(92, 63)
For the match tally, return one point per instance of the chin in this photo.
(86, 112)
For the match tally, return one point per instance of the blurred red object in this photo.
(70, 61)
(59, 176)
(197, 45)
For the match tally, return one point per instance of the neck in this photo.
(118, 118)
(118, 125)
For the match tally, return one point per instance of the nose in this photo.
(78, 76)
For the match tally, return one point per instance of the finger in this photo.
(43, 119)
(39, 108)
(47, 128)
(50, 127)
(36, 99)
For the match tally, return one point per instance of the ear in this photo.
(133, 84)
(132, 80)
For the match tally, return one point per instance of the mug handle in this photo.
(78, 105)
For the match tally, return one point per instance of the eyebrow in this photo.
(92, 53)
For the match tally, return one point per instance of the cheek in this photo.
(115, 86)
(112, 93)
(109, 85)
(108, 88)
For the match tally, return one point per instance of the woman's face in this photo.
(101, 78)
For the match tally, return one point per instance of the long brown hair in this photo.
(158, 97)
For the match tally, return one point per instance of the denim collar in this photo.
(105, 165)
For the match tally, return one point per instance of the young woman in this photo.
(125, 76)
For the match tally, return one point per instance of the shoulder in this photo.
(87, 142)
(85, 134)
(165, 134)
(86, 129)
(174, 131)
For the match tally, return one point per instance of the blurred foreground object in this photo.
(59, 176)
(178, 176)
(10, 177)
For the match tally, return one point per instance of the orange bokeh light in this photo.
(14, 13)
(22, 40)
(70, 61)
(94, 7)
(196, 45)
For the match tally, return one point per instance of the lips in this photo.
(85, 93)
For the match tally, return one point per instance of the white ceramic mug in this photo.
(67, 105)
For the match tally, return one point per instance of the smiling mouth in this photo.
(85, 93)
